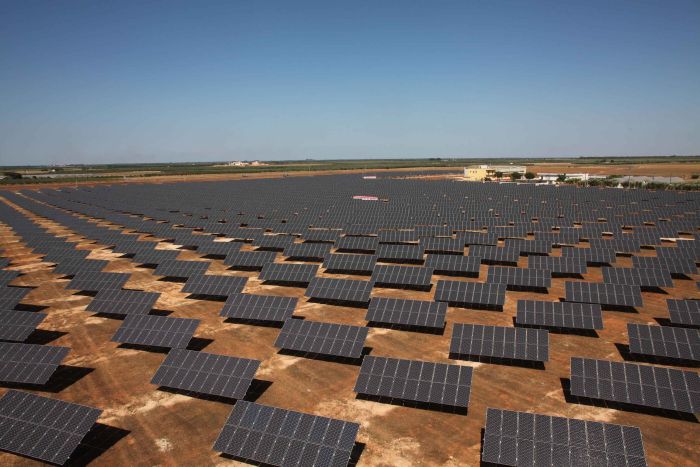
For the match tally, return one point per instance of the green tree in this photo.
(516, 176)
(561, 178)
(499, 174)
(530, 175)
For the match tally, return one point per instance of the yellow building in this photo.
(478, 173)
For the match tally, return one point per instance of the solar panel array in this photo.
(43, 428)
(643, 277)
(407, 312)
(209, 284)
(29, 363)
(476, 340)
(631, 383)
(157, 331)
(259, 307)
(414, 380)
(559, 314)
(123, 302)
(288, 273)
(471, 294)
(206, 373)
(454, 265)
(664, 341)
(685, 312)
(604, 294)
(274, 436)
(524, 438)
(315, 337)
(520, 277)
(177, 268)
(17, 326)
(402, 276)
(346, 290)
(350, 264)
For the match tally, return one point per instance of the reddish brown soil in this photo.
(166, 428)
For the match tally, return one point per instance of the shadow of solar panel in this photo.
(559, 314)
(413, 380)
(592, 256)
(673, 265)
(400, 253)
(43, 428)
(630, 383)
(476, 340)
(206, 373)
(642, 277)
(343, 290)
(471, 294)
(288, 273)
(176, 268)
(416, 313)
(221, 286)
(520, 278)
(402, 276)
(29, 363)
(259, 307)
(311, 251)
(523, 438)
(604, 294)
(18, 325)
(249, 260)
(11, 296)
(454, 265)
(664, 341)
(685, 312)
(315, 337)
(357, 244)
(7, 276)
(96, 281)
(273, 436)
(72, 266)
(494, 254)
(123, 302)
(559, 265)
(156, 331)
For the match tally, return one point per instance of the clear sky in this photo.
(149, 81)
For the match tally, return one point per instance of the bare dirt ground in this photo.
(146, 425)
(662, 169)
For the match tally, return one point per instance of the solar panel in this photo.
(400, 253)
(559, 265)
(454, 265)
(7, 276)
(43, 428)
(18, 325)
(645, 385)
(412, 313)
(288, 273)
(209, 284)
(398, 236)
(273, 242)
(249, 260)
(520, 278)
(157, 331)
(592, 256)
(29, 363)
(11, 296)
(674, 265)
(96, 281)
(321, 236)
(678, 252)
(523, 438)
(259, 307)
(494, 254)
(477, 238)
(529, 247)
(357, 244)
(476, 340)
(604, 294)
(219, 248)
(402, 276)
(309, 251)
(413, 380)
(559, 314)
(123, 302)
(71, 266)
(155, 256)
(443, 245)
(176, 268)
(315, 337)
(58, 256)
(664, 341)
(642, 277)
(619, 245)
(206, 373)
(273, 436)
(685, 312)
(345, 290)
(471, 294)
(350, 264)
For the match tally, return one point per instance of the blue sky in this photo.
(149, 81)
